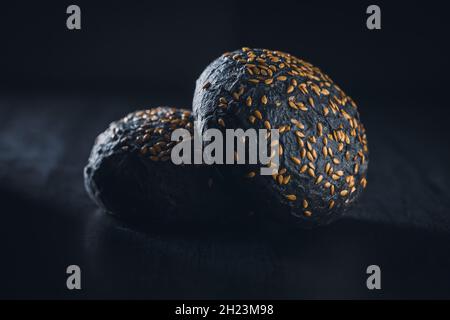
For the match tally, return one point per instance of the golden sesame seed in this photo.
(291, 197)
(319, 179)
(303, 168)
(221, 122)
(282, 78)
(298, 124)
(327, 185)
(335, 177)
(305, 203)
(331, 205)
(286, 179)
(302, 153)
(296, 160)
(264, 100)
(319, 128)
(251, 119)
(364, 182)
(248, 101)
(258, 114)
(267, 125)
(330, 151)
(292, 105)
(280, 179)
(307, 213)
(343, 193)
(290, 89)
(311, 173)
(302, 106)
(336, 161)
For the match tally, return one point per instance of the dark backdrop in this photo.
(60, 88)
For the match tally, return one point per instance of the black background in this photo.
(60, 88)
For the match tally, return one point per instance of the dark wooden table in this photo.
(402, 223)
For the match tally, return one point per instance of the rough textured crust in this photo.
(130, 174)
(324, 153)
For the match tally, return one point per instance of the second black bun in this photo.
(130, 173)
(323, 145)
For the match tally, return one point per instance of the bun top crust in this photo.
(323, 144)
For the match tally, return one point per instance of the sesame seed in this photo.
(305, 203)
(302, 153)
(331, 204)
(296, 160)
(264, 100)
(290, 89)
(291, 197)
(364, 182)
(248, 101)
(280, 179)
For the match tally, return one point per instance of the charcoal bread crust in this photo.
(130, 174)
(323, 145)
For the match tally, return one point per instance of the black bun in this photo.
(130, 173)
(324, 153)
